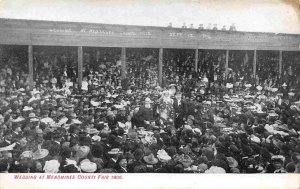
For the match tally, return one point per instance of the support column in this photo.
(123, 63)
(160, 66)
(254, 63)
(30, 65)
(280, 63)
(196, 59)
(226, 63)
(80, 63)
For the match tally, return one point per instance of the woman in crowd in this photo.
(58, 126)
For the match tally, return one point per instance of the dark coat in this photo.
(145, 114)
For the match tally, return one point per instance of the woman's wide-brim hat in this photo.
(150, 159)
(232, 162)
(215, 170)
(40, 154)
(163, 156)
(83, 151)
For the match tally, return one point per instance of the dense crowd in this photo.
(197, 121)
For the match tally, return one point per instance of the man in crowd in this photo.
(84, 131)
(146, 113)
(180, 110)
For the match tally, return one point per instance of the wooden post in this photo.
(254, 63)
(280, 63)
(160, 66)
(226, 63)
(80, 63)
(123, 63)
(196, 59)
(30, 65)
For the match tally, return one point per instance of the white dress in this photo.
(84, 85)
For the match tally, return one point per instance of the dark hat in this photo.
(4, 163)
(290, 167)
(202, 159)
(233, 148)
(140, 168)
(247, 150)
(171, 150)
(70, 169)
(209, 153)
(138, 154)
(97, 150)
(220, 163)
(66, 152)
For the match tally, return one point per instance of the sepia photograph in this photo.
(185, 89)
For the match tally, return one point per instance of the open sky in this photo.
(279, 16)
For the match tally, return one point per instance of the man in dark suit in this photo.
(180, 110)
(7, 135)
(145, 113)
(190, 84)
(16, 132)
(112, 161)
(121, 116)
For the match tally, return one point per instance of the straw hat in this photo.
(92, 131)
(27, 108)
(27, 154)
(87, 166)
(248, 85)
(31, 115)
(259, 88)
(19, 119)
(115, 151)
(34, 120)
(47, 120)
(278, 158)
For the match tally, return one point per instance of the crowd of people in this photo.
(196, 121)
